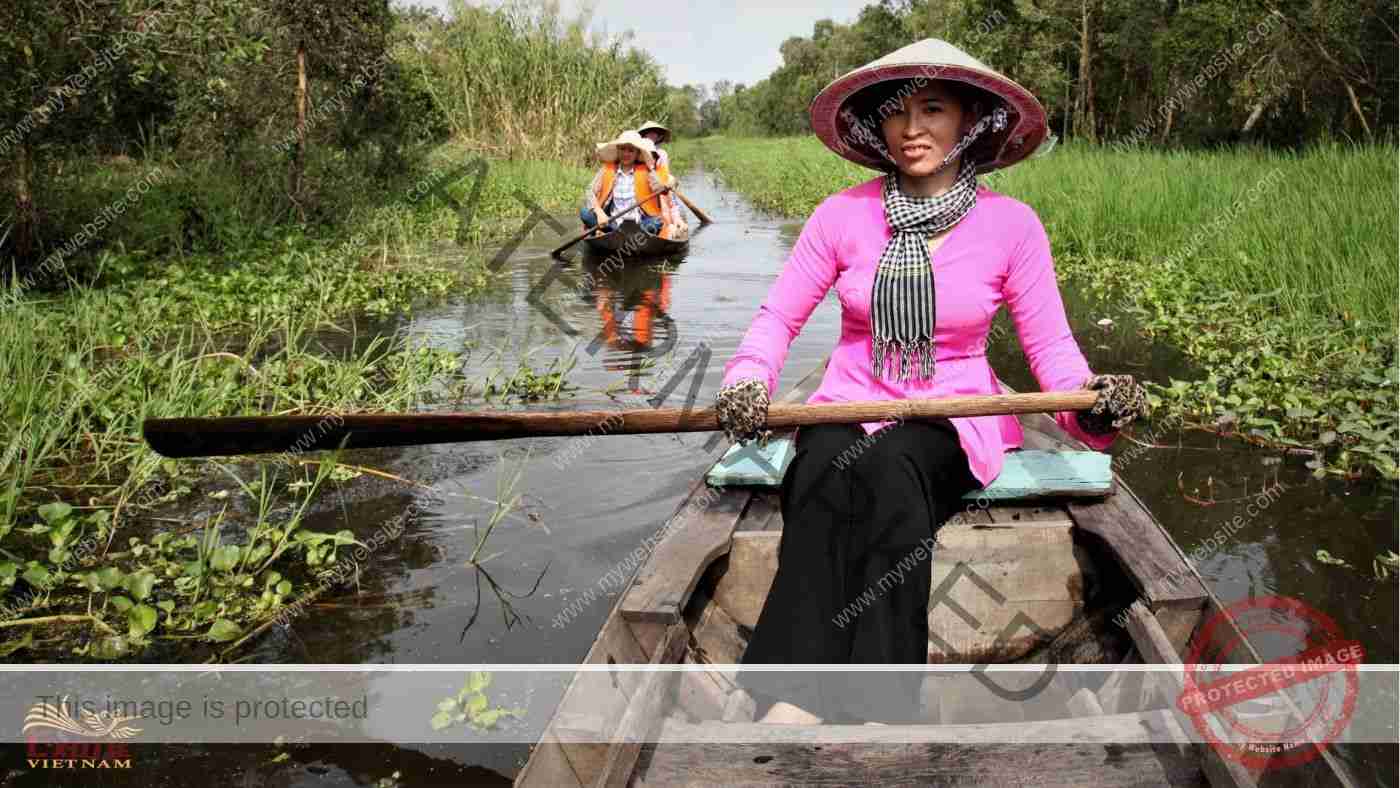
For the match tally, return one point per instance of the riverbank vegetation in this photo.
(1267, 268)
(212, 219)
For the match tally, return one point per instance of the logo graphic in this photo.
(100, 725)
(1282, 713)
(58, 740)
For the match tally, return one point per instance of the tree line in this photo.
(1167, 72)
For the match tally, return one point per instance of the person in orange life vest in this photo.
(660, 135)
(628, 177)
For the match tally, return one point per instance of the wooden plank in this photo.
(1030, 572)
(1024, 514)
(718, 637)
(979, 538)
(699, 695)
(1144, 728)
(764, 508)
(1141, 546)
(1126, 690)
(648, 633)
(969, 515)
(992, 765)
(1179, 619)
(643, 717)
(753, 564)
(603, 695)
(1157, 649)
(665, 582)
(999, 635)
(548, 765)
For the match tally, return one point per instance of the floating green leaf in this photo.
(55, 512)
(141, 620)
(140, 584)
(225, 558)
(223, 631)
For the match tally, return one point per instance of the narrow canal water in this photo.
(587, 504)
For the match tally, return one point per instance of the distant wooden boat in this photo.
(630, 240)
(1068, 563)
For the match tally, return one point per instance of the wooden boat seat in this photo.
(1026, 475)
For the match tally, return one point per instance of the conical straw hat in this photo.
(931, 59)
(651, 124)
(607, 151)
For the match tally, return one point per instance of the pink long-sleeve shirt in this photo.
(998, 254)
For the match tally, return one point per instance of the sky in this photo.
(704, 41)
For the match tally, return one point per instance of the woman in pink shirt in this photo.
(922, 258)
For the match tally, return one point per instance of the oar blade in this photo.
(222, 437)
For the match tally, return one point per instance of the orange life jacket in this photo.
(643, 189)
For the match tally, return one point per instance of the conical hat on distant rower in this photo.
(651, 124)
(835, 122)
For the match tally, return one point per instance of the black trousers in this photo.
(854, 565)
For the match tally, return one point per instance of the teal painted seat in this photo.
(1029, 473)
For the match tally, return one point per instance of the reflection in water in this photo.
(509, 615)
(633, 301)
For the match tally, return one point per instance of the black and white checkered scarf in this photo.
(901, 302)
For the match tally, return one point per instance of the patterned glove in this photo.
(1121, 400)
(742, 408)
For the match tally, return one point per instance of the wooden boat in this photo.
(1063, 561)
(630, 240)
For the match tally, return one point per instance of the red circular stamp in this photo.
(1270, 715)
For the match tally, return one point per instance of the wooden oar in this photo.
(614, 215)
(213, 437)
(701, 215)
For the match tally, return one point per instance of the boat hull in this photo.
(1102, 581)
(630, 240)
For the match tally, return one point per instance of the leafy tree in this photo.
(328, 39)
(1140, 71)
(57, 63)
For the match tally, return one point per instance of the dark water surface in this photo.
(587, 504)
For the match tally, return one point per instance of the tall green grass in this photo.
(520, 81)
